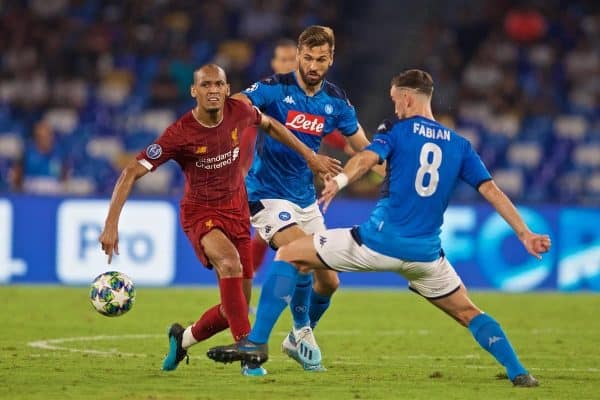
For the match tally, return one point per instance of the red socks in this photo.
(259, 249)
(235, 307)
(211, 322)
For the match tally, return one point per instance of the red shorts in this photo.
(197, 221)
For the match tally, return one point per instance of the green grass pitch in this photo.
(376, 345)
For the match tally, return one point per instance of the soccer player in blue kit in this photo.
(425, 160)
(280, 186)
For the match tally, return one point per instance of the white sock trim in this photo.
(188, 339)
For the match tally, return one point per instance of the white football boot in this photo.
(301, 346)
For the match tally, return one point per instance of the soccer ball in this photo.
(112, 293)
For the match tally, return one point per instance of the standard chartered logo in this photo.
(218, 161)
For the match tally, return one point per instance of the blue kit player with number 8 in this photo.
(425, 160)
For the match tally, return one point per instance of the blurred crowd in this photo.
(86, 83)
(523, 84)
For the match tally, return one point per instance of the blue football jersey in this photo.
(425, 161)
(278, 172)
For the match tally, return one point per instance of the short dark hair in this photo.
(416, 79)
(317, 35)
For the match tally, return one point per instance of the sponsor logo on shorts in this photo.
(284, 216)
(268, 229)
(154, 151)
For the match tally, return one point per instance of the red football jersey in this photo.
(209, 157)
(336, 140)
(248, 142)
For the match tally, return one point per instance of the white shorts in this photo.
(341, 250)
(270, 216)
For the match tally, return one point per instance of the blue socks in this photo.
(307, 305)
(301, 301)
(276, 294)
(285, 285)
(491, 337)
(318, 305)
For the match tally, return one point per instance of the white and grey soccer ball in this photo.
(112, 293)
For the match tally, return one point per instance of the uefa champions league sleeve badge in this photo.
(154, 151)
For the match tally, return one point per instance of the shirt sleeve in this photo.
(472, 170)
(347, 122)
(161, 151)
(255, 117)
(250, 115)
(262, 93)
(382, 145)
(247, 144)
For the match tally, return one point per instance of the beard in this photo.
(310, 80)
(213, 107)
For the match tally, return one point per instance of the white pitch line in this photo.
(447, 366)
(356, 332)
(51, 344)
(55, 344)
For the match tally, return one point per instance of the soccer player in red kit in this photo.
(214, 209)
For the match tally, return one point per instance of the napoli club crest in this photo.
(153, 151)
(284, 216)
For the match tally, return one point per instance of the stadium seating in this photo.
(524, 103)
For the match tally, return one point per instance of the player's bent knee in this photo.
(302, 268)
(229, 267)
(285, 253)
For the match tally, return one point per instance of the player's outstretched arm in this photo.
(356, 167)
(109, 238)
(318, 163)
(535, 244)
(359, 141)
